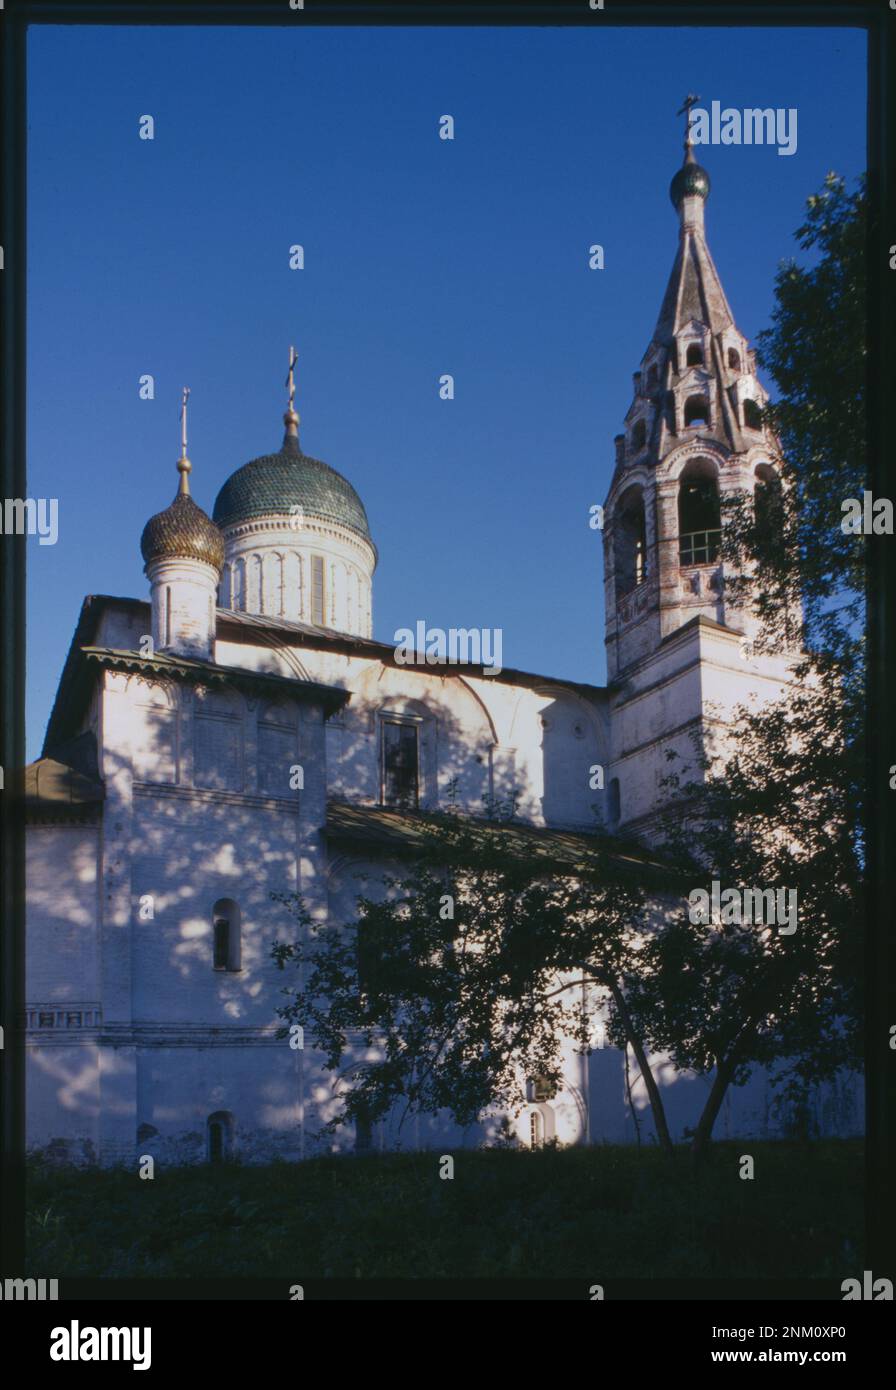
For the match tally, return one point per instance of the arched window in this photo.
(752, 415)
(694, 356)
(696, 411)
(630, 542)
(272, 584)
(252, 596)
(653, 375)
(226, 935)
(614, 807)
(400, 763)
(734, 359)
(699, 521)
(219, 1132)
(536, 1129)
(639, 435)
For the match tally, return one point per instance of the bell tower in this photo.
(678, 651)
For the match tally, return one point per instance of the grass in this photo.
(554, 1213)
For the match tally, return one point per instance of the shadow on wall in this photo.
(574, 764)
(188, 987)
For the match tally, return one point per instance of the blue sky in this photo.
(423, 257)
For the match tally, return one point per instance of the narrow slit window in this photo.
(317, 590)
(219, 1131)
(226, 943)
(222, 942)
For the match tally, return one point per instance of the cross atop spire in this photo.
(183, 463)
(290, 379)
(291, 417)
(685, 110)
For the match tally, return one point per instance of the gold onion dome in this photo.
(183, 531)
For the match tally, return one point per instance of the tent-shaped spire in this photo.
(698, 375)
(694, 290)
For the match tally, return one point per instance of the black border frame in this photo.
(879, 21)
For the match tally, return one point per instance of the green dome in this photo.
(276, 483)
(691, 180)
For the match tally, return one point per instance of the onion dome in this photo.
(690, 181)
(183, 531)
(289, 483)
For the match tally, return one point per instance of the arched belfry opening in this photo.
(696, 412)
(752, 415)
(699, 516)
(630, 541)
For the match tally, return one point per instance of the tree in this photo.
(796, 555)
(784, 808)
(464, 979)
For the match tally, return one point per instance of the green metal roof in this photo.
(404, 832)
(690, 181)
(276, 484)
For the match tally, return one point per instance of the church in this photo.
(237, 731)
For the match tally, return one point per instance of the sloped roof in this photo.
(277, 633)
(54, 791)
(405, 832)
(299, 634)
(694, 291)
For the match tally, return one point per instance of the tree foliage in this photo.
(798, 557)
(461, 981)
